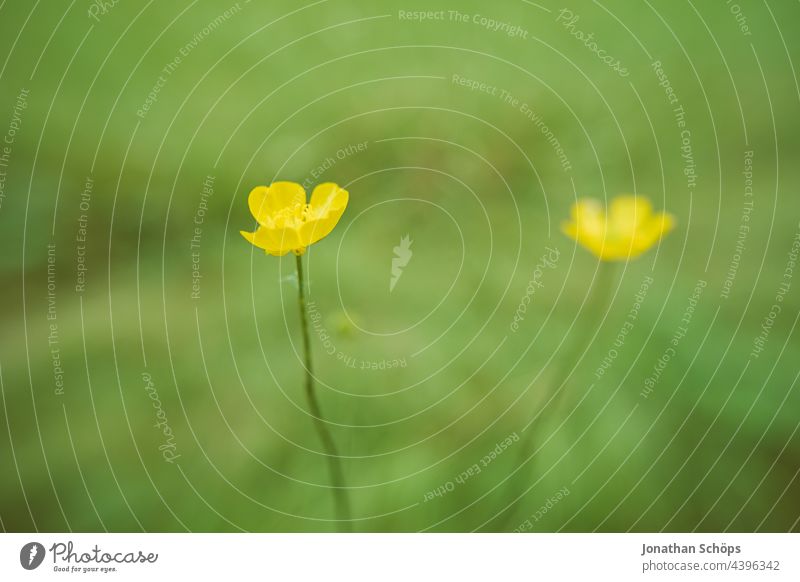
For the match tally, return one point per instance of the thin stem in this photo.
(595, 307)
(340, 500)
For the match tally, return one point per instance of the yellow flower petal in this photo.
(314, 230)
(266, 201)
(328, 202)
(286, 194)
(589, 218)
(263, 239)
(627, 230)
(327, 197)
(657, 226)
(666, 222)
(627, 212)
(587, 226)
(288, 239)
(257, 201)
(287, 223)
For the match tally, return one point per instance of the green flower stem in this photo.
(340, 499)
(596, 305)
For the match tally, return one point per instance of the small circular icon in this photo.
(31, 555)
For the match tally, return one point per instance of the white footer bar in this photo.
(389, 557)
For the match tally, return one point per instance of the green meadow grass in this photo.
(477, 186)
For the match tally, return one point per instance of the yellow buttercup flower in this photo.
(627, 230)
(286, 222)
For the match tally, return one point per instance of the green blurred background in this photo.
(274, 90)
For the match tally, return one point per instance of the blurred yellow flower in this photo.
(286, 222)
(627, 230)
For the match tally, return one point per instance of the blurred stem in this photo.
(596, 305)
(340, 500)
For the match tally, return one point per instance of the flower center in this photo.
(292, 216)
